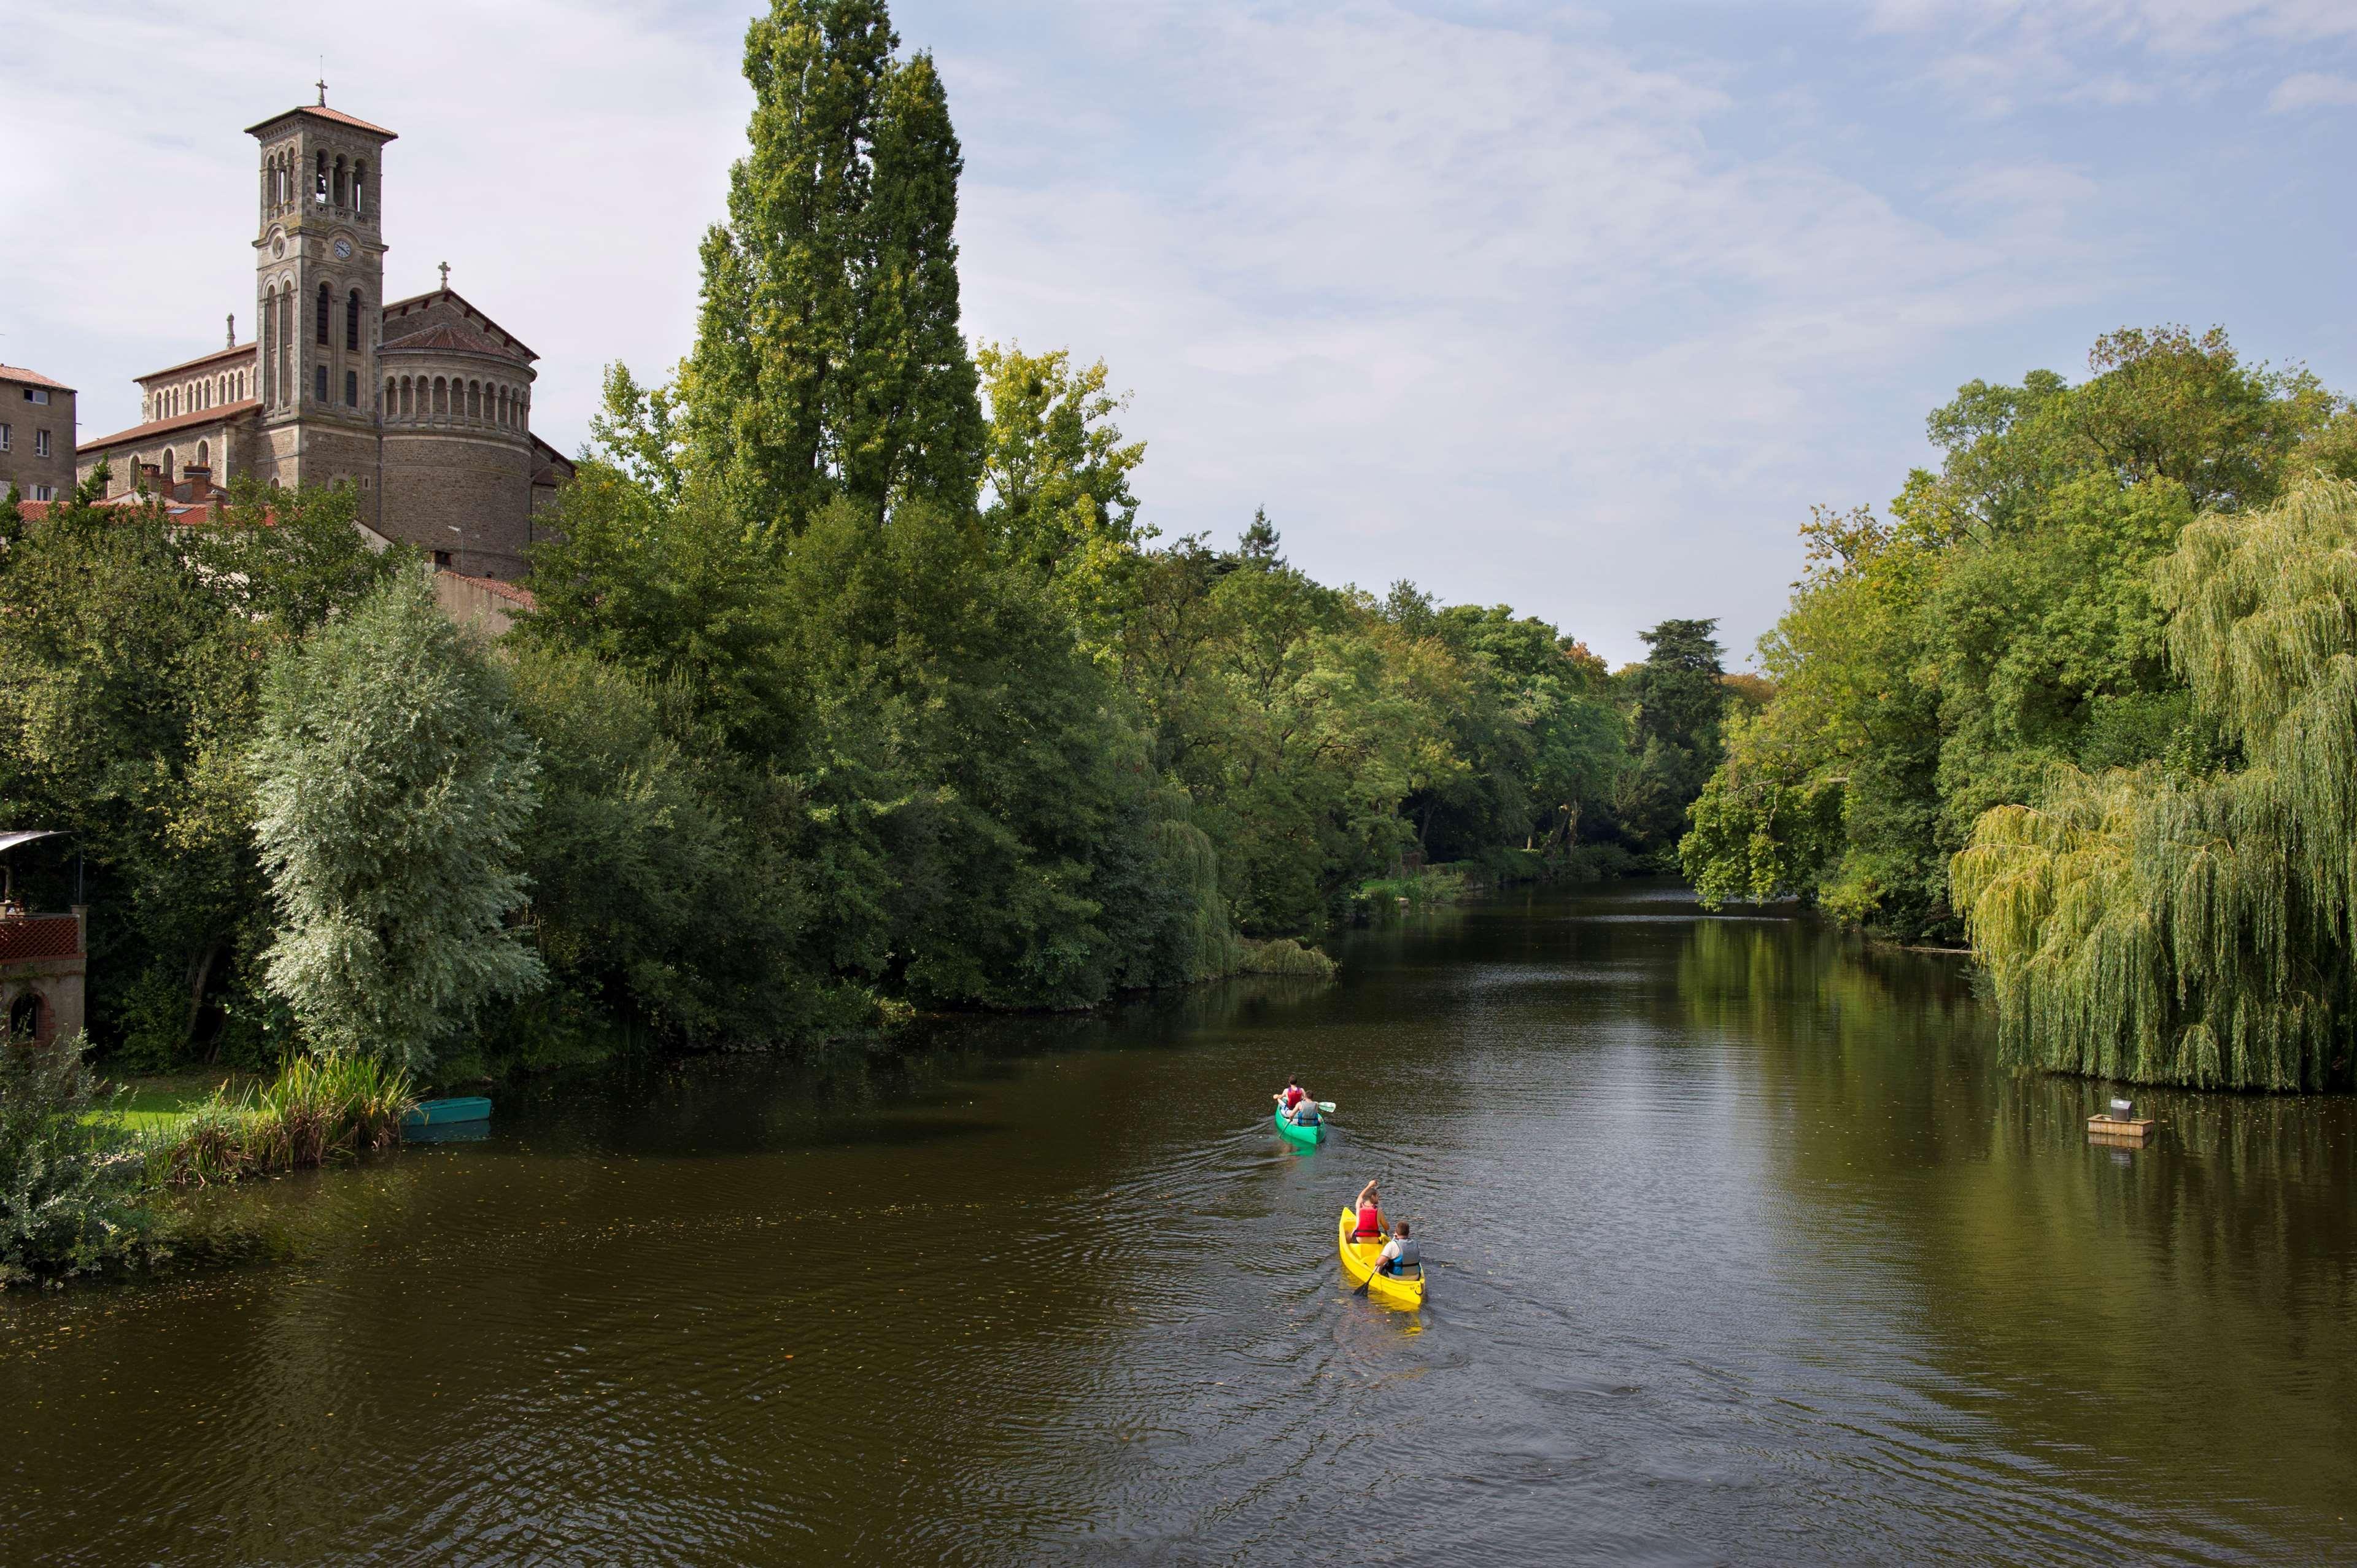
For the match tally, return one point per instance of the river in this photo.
(1746, 1249)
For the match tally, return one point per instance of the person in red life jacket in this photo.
(1370, 1216)
(1299, 1108)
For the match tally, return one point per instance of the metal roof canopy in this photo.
(9, 840)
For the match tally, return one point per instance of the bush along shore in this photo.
(80, 1179)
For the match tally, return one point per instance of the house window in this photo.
(352, 320)
(37, 394)
(40, 443)
(319, 382)
(326, 309)
(352, 388)
(441, 560)
(45, 492)
(4, 432)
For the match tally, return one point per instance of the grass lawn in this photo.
(159, 1103)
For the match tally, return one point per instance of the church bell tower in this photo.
(320, 298)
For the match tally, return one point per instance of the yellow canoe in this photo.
(1359, 1264)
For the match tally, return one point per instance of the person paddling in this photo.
(1370, 1216)
(1299, 1108)
(1401, 1256)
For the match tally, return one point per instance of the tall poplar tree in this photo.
(829, 358)
(911, 420)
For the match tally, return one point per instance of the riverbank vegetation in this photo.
(2073, 700)
(857, 685)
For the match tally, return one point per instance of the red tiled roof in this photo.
(30, 377)
(320, 111)
(513, 592)
(39, 937)
(186, 513)
(217, 415)
(245, 349)
(401, 307)
(445, 336)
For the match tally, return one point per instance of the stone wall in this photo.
(20, 464)
(467, 494)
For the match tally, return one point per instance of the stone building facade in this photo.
(422, 404)
(37, 435)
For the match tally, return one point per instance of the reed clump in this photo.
(319, 1108)
(1285, 956)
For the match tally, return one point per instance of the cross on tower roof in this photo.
(445, 277)
(322, 85)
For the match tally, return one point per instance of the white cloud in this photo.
(1496, 310)
(2313, 90)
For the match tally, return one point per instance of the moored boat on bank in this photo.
(442, 1113)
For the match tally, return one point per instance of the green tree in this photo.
(2187, 922)
(911, 421)
(392, 792)
(665, 890)
(1678, 697)
(828, 358)
(131, 656)
(2002, 622)
(1058, 471)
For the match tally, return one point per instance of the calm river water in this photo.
(1748, 1252)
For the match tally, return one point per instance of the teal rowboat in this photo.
(1307, 1136)
(440, 1113)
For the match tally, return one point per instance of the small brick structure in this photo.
(43, 964)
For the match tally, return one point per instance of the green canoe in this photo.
(1308, 1135)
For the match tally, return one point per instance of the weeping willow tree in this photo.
(2198, 925)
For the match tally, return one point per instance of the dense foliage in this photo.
(132, 657)
(2194, 920)
(2003, 620)
(392, 787)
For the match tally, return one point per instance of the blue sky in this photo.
(1576, 308)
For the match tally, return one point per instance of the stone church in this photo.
(423, 404)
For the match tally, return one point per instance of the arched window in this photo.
(391, 399)
(319, 183)
(319, 382)
(167, 464)
(340, 181)
(352, 320)
(360, 188)
(441, 395)
(474, 400)
(204, 454)
(352, 388)
(269, 344)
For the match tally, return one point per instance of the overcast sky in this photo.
(1576, 308)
